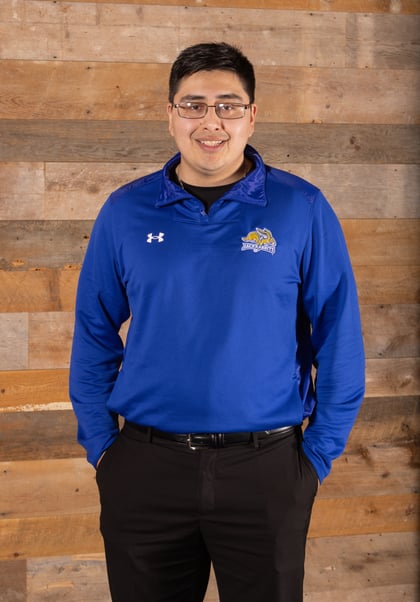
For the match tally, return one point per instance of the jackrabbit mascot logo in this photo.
(258, 240)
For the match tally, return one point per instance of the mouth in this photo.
(211, 143)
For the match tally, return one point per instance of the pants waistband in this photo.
(211, 440)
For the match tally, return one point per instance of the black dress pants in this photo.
(167, 512)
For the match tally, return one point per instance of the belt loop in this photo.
(255, 440)
(149, 434)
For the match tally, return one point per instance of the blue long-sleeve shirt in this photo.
(229, 311)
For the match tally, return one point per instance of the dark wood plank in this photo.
(43, 244)
(13, 580)
(387, 421)
(39, 435)
(29, 244)
(132, 141)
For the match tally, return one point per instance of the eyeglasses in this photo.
(198, 110)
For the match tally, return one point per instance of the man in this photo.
(237, 282)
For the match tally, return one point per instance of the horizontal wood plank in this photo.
(395, 7)
(106, 91)
(61, 191)
(42, 340)
(45, 289)
(381, 567)
(30, 244)
(67, 486)
(65, 534)
(39, 289)
(149, 142)
(353, 568)
(391, 330)
(38, 431)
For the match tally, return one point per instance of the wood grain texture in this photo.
(348, 568)
(76, 190)
(44, 289)
(28, 244)
(105, 91)
(61, 534)
(394, 7)
(149, 142)
(42, 431)
(82, 111)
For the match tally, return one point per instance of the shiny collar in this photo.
(250, 189)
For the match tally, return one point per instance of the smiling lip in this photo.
(211, 143)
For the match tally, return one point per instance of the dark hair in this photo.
(212, 56)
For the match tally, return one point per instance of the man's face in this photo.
(212, 149)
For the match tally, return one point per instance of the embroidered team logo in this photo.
(258, 240)
(157, 237)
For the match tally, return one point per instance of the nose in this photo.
(210, 119)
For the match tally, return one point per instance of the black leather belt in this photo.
(212, 440)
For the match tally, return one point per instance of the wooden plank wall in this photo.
(82, 110)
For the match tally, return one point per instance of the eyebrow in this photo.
(220, 97)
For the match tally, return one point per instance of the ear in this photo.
(253, 114)
(170, 112)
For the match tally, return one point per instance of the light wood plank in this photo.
(391, 330)
(382, 567)
(67, 486)
(149, 142)
(388, 284)
(14, 341)
(382, 41)
(369, 568)
(44, 289)
(50, 337)
(70, 534)
(364, 6)
(25, 390)
(397, 376)
(107, 92)
(383, 242)
(78, 190)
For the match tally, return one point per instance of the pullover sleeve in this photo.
(97, 350)
(330, 301)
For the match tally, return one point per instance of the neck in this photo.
(240, 173)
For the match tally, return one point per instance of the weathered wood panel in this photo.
(42, 340)
(54, 289)
(104, 91)
(67, 486)
(59, 191)
(42, 431)
(350, 569)
(338, 99)
(149, 142)
(391, 330)
(61, 534)
(55, 243)
(395, 7)
(38, 289)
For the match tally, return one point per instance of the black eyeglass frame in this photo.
(216, 107)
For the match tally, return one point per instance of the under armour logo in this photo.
(158, 237)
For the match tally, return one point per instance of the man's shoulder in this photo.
(144, 185)
(289, 181)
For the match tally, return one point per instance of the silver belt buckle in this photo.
(189, 443)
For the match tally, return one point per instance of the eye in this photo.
(194, 106)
